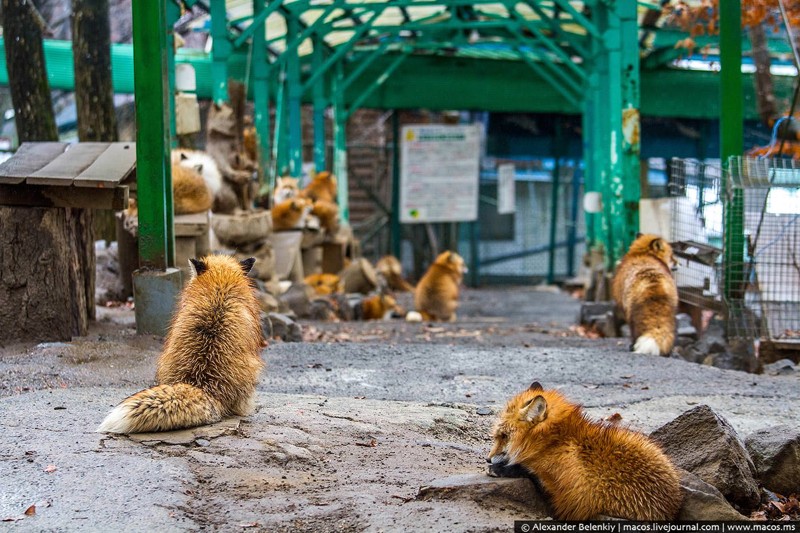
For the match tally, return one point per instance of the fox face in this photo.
(522, 413)
(649, 244)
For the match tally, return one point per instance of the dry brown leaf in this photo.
(371, 444)
(30, 511)
(615, 418)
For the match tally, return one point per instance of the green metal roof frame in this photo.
(482, 54)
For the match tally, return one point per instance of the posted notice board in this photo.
(439, 170)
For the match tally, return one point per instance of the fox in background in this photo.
(646, 294)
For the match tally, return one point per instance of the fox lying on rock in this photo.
(587, 468)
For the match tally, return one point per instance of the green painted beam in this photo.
(512, 84)
(320, 102)
(153, 177)
(385, 75)
(731, 144)
(630, 161)
(221, 49)
(340, 146)
(294, 92)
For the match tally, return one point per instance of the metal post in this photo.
(279, 143)
(173, 13)
(319, 109)
(556, 154)
(154, 181)
(630, 161)
(221, 49)
(340, 145)
(573, 213)
(613, 183)
(294, 91)
(261, 91)
(731, 140)
(396, 230)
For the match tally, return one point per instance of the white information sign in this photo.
(439, 171)
(506, 198)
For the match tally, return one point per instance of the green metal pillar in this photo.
(261, 91)
(396, 229)
(319, 109)
(280, 153)
(556, 152)
(591, 181)
(294, 89)
(340, 145)
(731, 141)
(630, 134)
(154, 181)
(173, 14)
(618, 121)
(221, 49)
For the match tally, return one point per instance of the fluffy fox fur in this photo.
(328, 215)
(189, 191)
(587, 468)
(436, 295)
(379, 307)
(211, 359)
(290, 214)
(390, 268)
(322, 187)
(324, 284)
(285, 188)
(646, 295)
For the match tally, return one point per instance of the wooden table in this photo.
(82, 175)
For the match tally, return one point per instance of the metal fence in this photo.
(737, 237)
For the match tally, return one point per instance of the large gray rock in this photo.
(776, 455)
(279, 326)
(702, 501)
(489, 492)
(704, 443)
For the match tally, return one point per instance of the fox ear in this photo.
(535, 386)
(198, 266)
(199, 168)
(639, 234)
(247, 264)
(657, 245)
(535, 410)
(184, 157)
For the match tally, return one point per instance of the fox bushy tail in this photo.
(163, 408)
(653, 325)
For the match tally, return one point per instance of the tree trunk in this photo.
(45, 281)
(765, 96)
(94, 92)
(27, 77)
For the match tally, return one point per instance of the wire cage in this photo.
(763, 265)
(696, 230)
(736, 236)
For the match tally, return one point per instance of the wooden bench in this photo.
(82, 175)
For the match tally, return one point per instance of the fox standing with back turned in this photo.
(646, 294)
(588, 469)
(211, 359)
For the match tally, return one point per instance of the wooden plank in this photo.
(191, 225)
(29, 158)
(110, 168)
(24, 195)
(62, 170)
